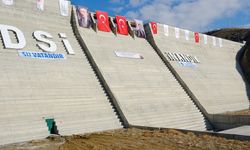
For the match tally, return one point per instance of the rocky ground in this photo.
(243, 112)
(133, 139)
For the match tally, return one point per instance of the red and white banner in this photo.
(122, 26)
(166, 31)
(64, 7)
(102, 21)
(154, 27)
(40, 4)
(197, 37)
(8, 2)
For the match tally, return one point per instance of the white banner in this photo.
(177, 33)
(8, 2)
(220, 42)
(187, 35)
(64, 7)
(128, 55)
(166, 31)
(40, 4)
(205, 38)
(214, 41)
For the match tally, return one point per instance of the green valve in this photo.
(50, 123)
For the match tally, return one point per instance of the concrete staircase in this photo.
(147, 93)
(216, 83)
(33, 90)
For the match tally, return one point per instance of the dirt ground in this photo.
(133, 139)
(243, 112)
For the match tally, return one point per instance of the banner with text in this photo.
(41, 55)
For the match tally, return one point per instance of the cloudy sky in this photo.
(195, 15)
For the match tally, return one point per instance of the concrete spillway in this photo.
(145, 90)
(57, 77)
(216, 81)
(33, 90)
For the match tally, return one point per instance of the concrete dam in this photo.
(66, 74)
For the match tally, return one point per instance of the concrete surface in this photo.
(243, 130)
(216, 82)
(32, 90)
(145, 90)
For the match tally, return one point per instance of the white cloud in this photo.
(132, 15)
(116, 1)
(117, 9)
(190, 14)
(136, 3)
(246, 25)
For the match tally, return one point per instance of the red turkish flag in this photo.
(122, 26)
(102, 21)
(197, 37)
(154, 27)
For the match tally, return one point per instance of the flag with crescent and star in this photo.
(154, 27)
(122, 26)
(102, 21)
(197, 37)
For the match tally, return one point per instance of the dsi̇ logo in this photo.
(47, 45)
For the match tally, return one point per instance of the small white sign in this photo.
(64, 7)
(128, 55)
(220, 42)
(214, 41)
(187, 35)
(8, 2)
(205, 38)
(166, 31)
(177, 33)
(40, 5)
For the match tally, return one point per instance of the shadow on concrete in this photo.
(240, 68)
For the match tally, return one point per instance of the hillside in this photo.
(234, 34)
